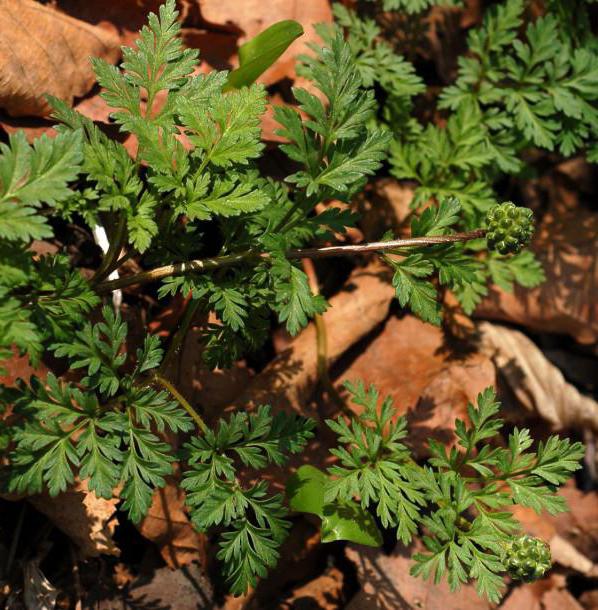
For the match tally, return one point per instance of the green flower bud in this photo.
(509, 228)
(527, 558)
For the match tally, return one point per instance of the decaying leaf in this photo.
(87, 520)
(538, 385)
(168, 526)
(38, 592)
(546, 594)
(43, 51)
(387, 585)
(354, 312)
(184, 589)
(322, 593)
(429, 380)
(566, 302)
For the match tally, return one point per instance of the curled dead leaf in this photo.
(429, 380)
(538, 385)
(43, 51)
(291, 377)
(87, 520)
(167, 525)
(566, 302)
(38, 591)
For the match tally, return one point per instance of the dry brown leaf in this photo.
(538, 385)
(38, 592)
(167, 525)
(387, 585)
(428, 379)
(566, 303)
(209, 389)
(559, 599)
(120, 18)
(87, 520)
(290, 378)
(589, 599)
(529, 596)
(322, 593)
(572, 535)
(251, 17)
(385, 206)
(161, 589)
(43, 51)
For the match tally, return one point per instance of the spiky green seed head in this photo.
(510, 228)
(527, 558)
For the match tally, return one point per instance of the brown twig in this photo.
(227, 260)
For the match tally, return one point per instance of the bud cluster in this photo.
(527, 558)
(509, 228)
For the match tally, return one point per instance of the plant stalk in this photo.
(182, 401)
(227, 260)
(113, 251)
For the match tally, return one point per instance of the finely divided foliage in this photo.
(255, 521)
(195, 194)
(460, 499)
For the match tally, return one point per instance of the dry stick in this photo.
(207, 264)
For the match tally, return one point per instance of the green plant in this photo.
(459, 499)
(195, 209)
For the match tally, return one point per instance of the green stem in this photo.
(182, 401)
(181, 332)
(227, 260)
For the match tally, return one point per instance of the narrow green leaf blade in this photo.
(259, 53)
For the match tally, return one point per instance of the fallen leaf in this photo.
(44, 51)
(251, 17)
(38, 592)
(538, 385)
(288, 381)
(19, 367)
(566, 302)
(167, 525)
(87, 520)
(387, 585)
(528, 596)
(208, 389)
(184, 589)
(322, 593)
(385, 206)
(216, 49)
(589, 599)
(429, 380)
(120, 18)
(559, 599)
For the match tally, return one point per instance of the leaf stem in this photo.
(181, 332)
(113, 251)
(182, 401)
(227, 260)
(322, 340)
